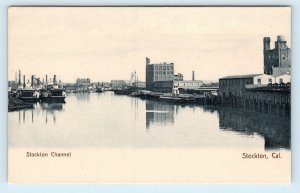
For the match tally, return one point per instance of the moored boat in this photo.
(52, 93)
(27, 94)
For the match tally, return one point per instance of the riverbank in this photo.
(17, 104)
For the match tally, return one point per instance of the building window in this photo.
(280, 80)
(258, 81)
(270, 80)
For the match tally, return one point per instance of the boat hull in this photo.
(53, 99)
(29, 99)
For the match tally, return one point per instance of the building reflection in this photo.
(275, 130)
(48, 112)
(159, 113)
(82, 97)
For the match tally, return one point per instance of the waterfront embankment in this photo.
(17, 104)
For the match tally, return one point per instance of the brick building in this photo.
(163, 72)
(278, 59)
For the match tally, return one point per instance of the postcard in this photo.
(149, 95)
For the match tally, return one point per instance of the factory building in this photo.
(162, 72)
(277, 61)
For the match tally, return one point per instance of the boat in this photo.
(99, 88)
(27, 94)
(52, 94)
(171, 99)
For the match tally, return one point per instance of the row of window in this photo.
(187, 84)
(164, 72)
(158, 78)
(235, 82)
(269, 81)
(276, 56)
(163, 67)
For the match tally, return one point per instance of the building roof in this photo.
(278, 71)
(241, 76)
(189, 81)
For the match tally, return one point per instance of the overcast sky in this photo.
(109, 43)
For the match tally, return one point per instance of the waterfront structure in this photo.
(277, 61)
(285, 78)
(118, 84)
(259, 92)
(139, 84)
(83, 81)
(178, 77)
(188, 84)
(162, 72)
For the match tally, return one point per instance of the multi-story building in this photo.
(83, 81)
(277, 61)
(158, 73)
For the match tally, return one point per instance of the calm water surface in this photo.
(108, 120)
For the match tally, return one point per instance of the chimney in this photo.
(24, 83)
(19, 77)
(32, 79)
(193, 76)
(54, 79)
(46, 78)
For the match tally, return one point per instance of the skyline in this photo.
(105, 44)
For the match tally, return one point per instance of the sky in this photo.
(108, 43)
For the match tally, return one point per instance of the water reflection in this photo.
(81, 97)
(159, 113)
(48, 110)
(274, 129)
(108, 120)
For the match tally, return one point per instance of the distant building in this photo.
(188, 84)
(83, 81)
(163, 72)
(277, 61)
(139, 84)
(235, 85)
(178, 77)
(118, 83)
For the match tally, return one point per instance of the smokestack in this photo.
(54, 79)
(46, 78)
(32, 79)
(193, 75)
(19, 77)
(24, 83)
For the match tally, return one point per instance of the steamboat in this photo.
(52, 92)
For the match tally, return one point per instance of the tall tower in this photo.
(267, 65)
(267, 43)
